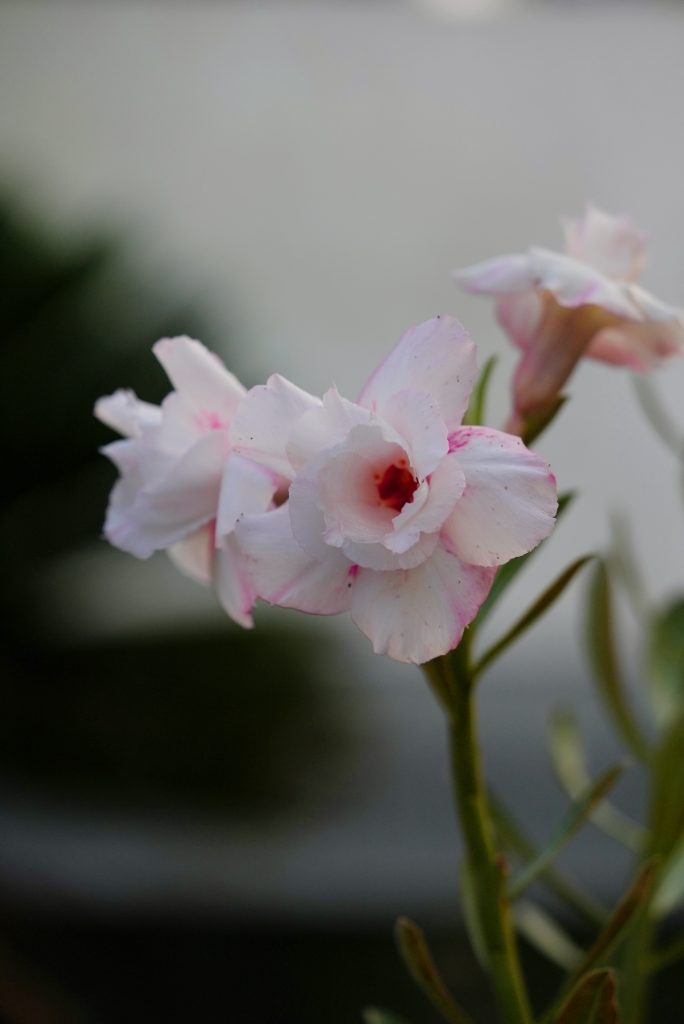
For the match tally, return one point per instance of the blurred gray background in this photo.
(307, 175)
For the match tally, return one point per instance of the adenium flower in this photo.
(558, 307)
(395, 511)
(182, 488)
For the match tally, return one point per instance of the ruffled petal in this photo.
(324, 426)
(502, 275)
(509, 502)
(421, 613)
(200, 377)
(194, 555)
(265, 419)
(124, 412)
(285, 574)
(610, 244)
(416, 418)
(246, 487)
(145, 517)
(445, 487)
(437, 357)
(233, 582)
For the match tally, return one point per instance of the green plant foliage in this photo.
(592, 1001)
(475, 413)
(666, 663)
(418, 959)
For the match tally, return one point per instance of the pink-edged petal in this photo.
(502, 275)
(323, 427)
(520, 314)
(377, 556)
(509, 502)
(159, 514)
(445, 487)
(573, 283)
(233, 582)
(246, 487)
(200, 377)
(285, 574)
(638, 346)
(416, 417)
(125, 413)
(194, 555)
(421, 613)
(437, 357)
(263, 423)
(610, 244)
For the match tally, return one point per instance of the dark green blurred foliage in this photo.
(216, 716)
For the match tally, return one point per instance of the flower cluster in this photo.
(557, 307)
(387, 507)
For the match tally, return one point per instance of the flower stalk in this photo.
(453, 683)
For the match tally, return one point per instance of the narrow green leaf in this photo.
(569, 761)
(471, 918)
(592, 1001)
(421, 966)
(612, 934)
(572, 821)
(666, 663)
(508, 572)
(669, 894)
(541, 605)
(535, 424)
(600, 631)
(667, 804)
(547, 937)
(374, 1015)
(475, 413)
(511, 837)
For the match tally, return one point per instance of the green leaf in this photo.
(471, 918)
(612, 934)
(421, 966)
(542, 932)
(670, 892)
(535, 424)
(374, 1015)
(666, 663)
(592, 1001)
(570, 825)
(600, 632)
(511, 837)
(656, 415)
(475, 413)
(508, 572)
(541, 605)
(569, 761)
(667, 803)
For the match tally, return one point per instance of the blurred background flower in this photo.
(292, 182)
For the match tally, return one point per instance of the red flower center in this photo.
(396, 486)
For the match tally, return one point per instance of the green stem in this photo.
(484, 866)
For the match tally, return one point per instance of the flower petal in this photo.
(520, 314)
(324, 426)
(144, 517)
(233, 582)
(199, 376)
(264, 421)
(416, 418)
(125, 413)
(610, 244)
(194, 555)
(285, 574)
(445, 487)
(509, 502)
(502, 275)
(246, 487)
(421, 613)
(438, 357)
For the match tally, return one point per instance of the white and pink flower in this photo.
(182, 487)
(396, 511)
(557, 307)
